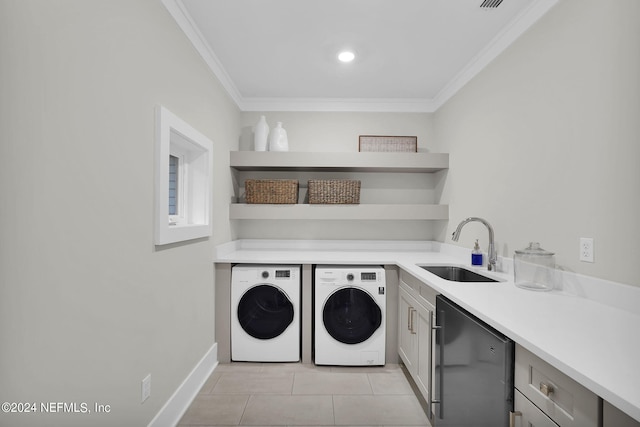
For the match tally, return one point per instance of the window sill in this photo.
(180, 232)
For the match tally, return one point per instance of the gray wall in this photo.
(88, 305)
(544, 142)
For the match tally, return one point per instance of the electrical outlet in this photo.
(146, 387)
(586, 249)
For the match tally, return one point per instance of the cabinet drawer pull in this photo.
(512, 417)
(546, 389)
(413, 310)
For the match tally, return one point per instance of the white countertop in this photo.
(589, 330)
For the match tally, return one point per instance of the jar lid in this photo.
(534, 249)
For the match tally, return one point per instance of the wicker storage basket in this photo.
(271, 191)
(334, 191)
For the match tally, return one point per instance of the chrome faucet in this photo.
(491, 264)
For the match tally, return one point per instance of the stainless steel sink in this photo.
(456, 274)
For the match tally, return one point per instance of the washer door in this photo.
(351, 315)
(264, 311)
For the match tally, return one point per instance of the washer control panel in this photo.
(248, 273)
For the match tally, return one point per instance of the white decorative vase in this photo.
(260, 135)
(278, 139)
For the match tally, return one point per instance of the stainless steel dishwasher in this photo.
(473, 378)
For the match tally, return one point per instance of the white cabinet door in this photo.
(415, 339)
(425, 318)
(407, 336)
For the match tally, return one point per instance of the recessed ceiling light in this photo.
(346, 56)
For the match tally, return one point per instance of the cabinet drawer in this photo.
(419, 289)
(565, 401)
(530, 415)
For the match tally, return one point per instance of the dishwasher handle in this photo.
(512, 417)
(439, 331)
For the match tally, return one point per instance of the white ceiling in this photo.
(411, 55)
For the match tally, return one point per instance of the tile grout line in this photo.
(370, 385)
(333, 409)
(244, 410)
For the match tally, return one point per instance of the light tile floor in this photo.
(295, 394)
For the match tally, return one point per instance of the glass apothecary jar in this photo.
(534, 268)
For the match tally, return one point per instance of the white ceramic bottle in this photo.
(260, 135)
(278, 139)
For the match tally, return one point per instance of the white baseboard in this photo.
(170, 414)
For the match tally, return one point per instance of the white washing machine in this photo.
(350, 305)
(265, 313)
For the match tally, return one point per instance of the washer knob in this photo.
(350, 277)
(265, 274)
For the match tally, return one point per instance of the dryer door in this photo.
(351, 315)
(264, 311)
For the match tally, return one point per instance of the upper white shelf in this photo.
(347, 161)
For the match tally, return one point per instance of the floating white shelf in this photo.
(352, 162)
(339, 212)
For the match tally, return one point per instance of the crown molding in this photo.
(338, 105)
(499, 43)
(185, 22)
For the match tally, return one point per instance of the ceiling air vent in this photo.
(489, 4)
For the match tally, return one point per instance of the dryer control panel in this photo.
(350, 275)
(368, 276)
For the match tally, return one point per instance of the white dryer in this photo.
(265, 313)
(350, 305)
